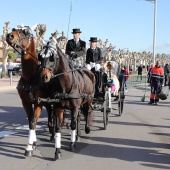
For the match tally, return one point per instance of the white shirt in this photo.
(76, 41)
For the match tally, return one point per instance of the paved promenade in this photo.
(5, 83)
(138, 140)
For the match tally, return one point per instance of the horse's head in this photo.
(19, 38)
(48, 58)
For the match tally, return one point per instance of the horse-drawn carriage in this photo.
(110, 83)
(57, 85)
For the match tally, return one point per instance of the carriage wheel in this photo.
(120, 103)
(105, 112)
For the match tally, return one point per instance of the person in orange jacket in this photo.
(157, 77)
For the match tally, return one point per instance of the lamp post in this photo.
(154, 32)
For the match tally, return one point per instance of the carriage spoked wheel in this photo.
(120, 102)
(106, 110)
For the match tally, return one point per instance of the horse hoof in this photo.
(87, 130)
(28, 153)
(72, 148)
(57, 156)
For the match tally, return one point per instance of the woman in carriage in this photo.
(112, 71)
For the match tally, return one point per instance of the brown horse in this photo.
(29, 88)
(73, 88)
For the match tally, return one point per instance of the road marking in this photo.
(24, 127)
(6, 133)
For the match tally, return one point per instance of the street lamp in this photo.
(154, 32)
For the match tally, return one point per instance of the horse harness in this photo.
(28, 34)
(58, 96)
(70, 95)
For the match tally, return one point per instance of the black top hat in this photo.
(76, 30)
(93, 39)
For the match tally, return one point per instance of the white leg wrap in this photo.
(57, 140)
(31, 137)
(73, 136)
(29, 148)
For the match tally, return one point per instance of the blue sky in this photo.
(126, 23)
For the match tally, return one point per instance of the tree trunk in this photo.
(135, 63)
(5, 57)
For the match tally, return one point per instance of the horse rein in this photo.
(59, 74)
(25, 51)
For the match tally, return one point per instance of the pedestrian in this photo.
(149, 74)
(9, 67)
(93, 55)
(140, 69)
(126, 78)
(130, 68)
(76, 48)
(166, 74)
(157, 75)
(121, 79)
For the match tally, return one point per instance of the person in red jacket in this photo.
(126, 77)
(157, 77)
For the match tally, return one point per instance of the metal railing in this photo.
(137, 81)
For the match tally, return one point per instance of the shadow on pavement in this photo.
(155, 166)
(137, 124)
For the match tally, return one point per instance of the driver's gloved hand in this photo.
(73, 54)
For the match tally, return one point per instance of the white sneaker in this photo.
(126, 91)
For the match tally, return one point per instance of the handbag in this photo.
(161, 95)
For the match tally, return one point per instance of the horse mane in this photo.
(60, 52)
(64, 56)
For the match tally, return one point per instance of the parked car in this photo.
(16, 69)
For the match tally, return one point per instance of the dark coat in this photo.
(140, 69)
(166, 70)
(93, 55)
(79, 49)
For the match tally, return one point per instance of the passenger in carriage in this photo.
(76, 48)
(93, 55)
(103, 65)
(93, 58)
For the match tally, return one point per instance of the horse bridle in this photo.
(48, 68)
(17, 42)
(51, 70)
